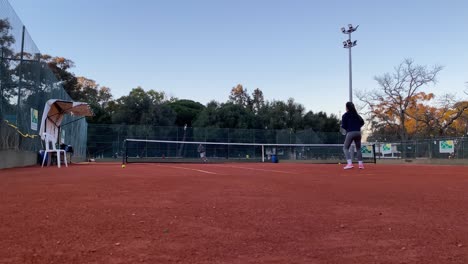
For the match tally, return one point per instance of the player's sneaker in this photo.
(348, 167)
(361, 165)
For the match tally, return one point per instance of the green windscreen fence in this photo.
(436, 148)
(106, 140)
(26, 83)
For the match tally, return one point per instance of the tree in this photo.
(424, 118)
(258, 102)
(321, 122)
(6, 39)
(186, 110)
(294, 113)
(81, 88)
(208, 117)
(61, 66)
(389, 103)
(7, 90)
(275, 116)
(282, 115)
(420, 103)
(324, 126)
(143, 108)
(157, 97)
(439, 119)
(226, 115)
(461, 124)
(98, 97)
(235, 116)
(240, 96)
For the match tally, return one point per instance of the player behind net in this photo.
(201, 149)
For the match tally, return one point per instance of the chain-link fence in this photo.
(26, 83)
(438, 148)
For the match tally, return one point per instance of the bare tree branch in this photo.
(389, 104)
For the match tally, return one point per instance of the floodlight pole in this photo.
(350, 73)
(349, 44)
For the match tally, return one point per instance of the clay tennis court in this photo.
(234, 213)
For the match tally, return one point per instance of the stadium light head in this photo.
(355, 43)
(343, 30)
(350, 29)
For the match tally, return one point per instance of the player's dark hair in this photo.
(351, 108)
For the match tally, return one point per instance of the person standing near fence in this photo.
(352, 123)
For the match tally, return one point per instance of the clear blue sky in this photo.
(200, 49)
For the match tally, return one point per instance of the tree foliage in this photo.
(261, 114)
(445, 117)
(225, 115)
(240, 96)
(6, 82)
(395, 96)
(401, 110)
(258, 102)
(186, 111)
(146, 108)
(61, 67)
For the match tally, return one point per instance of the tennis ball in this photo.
(123, 166)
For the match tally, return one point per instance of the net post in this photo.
(263, 153)
(124, 156)
(373, 151)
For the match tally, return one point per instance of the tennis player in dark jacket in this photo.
(352, 123)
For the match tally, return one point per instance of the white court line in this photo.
(236, 167)
(183, 168)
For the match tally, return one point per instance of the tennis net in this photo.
(144, 150)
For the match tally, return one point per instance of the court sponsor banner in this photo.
(366, 151)
(386, 148)
(446, 146)
(34, 119)
(270, 151)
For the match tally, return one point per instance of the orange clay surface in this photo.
(234, 213)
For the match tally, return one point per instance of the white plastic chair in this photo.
(51, 140)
